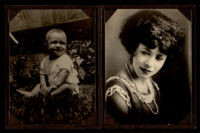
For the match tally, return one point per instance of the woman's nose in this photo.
(149, 63)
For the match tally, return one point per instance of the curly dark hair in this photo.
(153, 29)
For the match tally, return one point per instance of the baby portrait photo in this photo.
(51, 67)
(148, 67)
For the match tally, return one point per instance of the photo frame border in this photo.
(193, 85)
(100, 63)
(7, 96)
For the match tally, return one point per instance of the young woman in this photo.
(152, 39)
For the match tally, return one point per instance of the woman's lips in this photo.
(144, 70)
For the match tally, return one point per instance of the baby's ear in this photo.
(45, 43)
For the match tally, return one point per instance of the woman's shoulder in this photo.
(116, 83)
(117, 95)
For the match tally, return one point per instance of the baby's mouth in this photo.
(57, 49)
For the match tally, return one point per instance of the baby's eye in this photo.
(54, 42)
(145, 53)
(63, 43)
(60, 42)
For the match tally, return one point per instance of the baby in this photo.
(57, 72)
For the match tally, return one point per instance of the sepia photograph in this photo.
(99, 68)
(52, 70)
(148, 68)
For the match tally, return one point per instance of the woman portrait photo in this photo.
(147, 67)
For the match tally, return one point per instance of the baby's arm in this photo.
(43, 84)
(61, 77)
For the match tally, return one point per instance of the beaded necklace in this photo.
(142, 96)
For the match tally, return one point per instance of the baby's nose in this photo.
(58, 43)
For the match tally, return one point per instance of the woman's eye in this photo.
(159, 58)
(145, 53)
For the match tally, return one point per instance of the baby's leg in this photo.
(72, 87)
(31, 93)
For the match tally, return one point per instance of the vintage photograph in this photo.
(52, 70)
(148, 67)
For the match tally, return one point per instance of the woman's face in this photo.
(147, 62)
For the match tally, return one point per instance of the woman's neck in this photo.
(141, 83)
(142, 86)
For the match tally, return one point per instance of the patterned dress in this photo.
(142, 108)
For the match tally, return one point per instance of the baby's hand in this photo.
(48, 89)
(45, 90)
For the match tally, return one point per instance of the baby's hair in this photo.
(54, 30)
(153, 29)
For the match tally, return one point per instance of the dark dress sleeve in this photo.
(118, 102)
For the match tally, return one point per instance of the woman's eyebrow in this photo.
(147, 49)
(161, 54)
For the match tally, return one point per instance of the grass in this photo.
(63, 108)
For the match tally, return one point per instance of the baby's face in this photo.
(57, 44)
